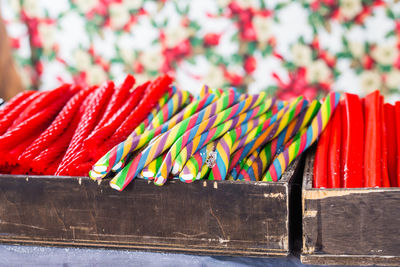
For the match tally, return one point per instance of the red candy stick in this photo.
(155, 91)
(102, 134)
(334, 154)
(9, 118)
(52, 155)
(121, 94)
(391, 142)
(14, 102)
(321, 158)
(32, 125)
(57, 127)
(91, 116)
(43, 101)
(354, 142)
(372, 157)
(397, 111)
(384, 151)
(343, 140)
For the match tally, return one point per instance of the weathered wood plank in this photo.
(217, 217)
(345, 223)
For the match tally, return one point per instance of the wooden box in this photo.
(358, 226)
(205, 217)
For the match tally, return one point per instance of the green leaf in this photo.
(289, 65)
(390, 13)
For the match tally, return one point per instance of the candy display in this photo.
(156, 131)
(358, 148)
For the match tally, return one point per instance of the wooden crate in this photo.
(349, 226)
(205, 217)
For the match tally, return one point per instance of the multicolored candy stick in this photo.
(192, 168)
(239, 108)
(163, 142)
(244, 175)
(318, 124)
(149, 172)
(205, 90)
(277, 145)
(243, 120)
(256, 138)
(132, 143)
(284, 115)
(161, 103)
(175, 103)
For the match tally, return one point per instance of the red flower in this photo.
(138, 67)
(248, 33)
(15, 43)
(368, 62)
(250, 64)
(234, 79)
(211, 39)
(39, 68)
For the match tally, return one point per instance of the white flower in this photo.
(318, 71)
(302, 55)
(175, 35)
(15, 5)
(263, 27)
(393, 79)
(32, 8)
(215, 77)
(350, 8)
(95, 75)
(370, 81)
(119, 15)
(385, 54)
(152, 59)
(47, 36)
(86, 5)
(141, 78)
(127, 55)
(247, 3)
(82, 60)
(356, 49)
(132, 4)
(223, 3)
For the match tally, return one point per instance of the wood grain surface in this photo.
(357, 226)
(206, 217)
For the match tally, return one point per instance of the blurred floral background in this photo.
(286, 47)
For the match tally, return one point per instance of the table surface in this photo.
(17, 255)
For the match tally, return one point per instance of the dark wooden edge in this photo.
(287, 181)
(308, 192)
(352, 260)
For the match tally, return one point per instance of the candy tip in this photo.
(99, 168)
(114, 186)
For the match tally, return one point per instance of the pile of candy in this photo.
(360, 146)
(220, 135)
(156, 132)
(66, 130)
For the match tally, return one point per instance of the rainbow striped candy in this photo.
(226, 144)
(244, 120)
(269, 151)
(318, 124)
(149, 172)
(259, 137)
(175, 103)
(132, 143)
(239, 108)
(192, 168)
(164, 141)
